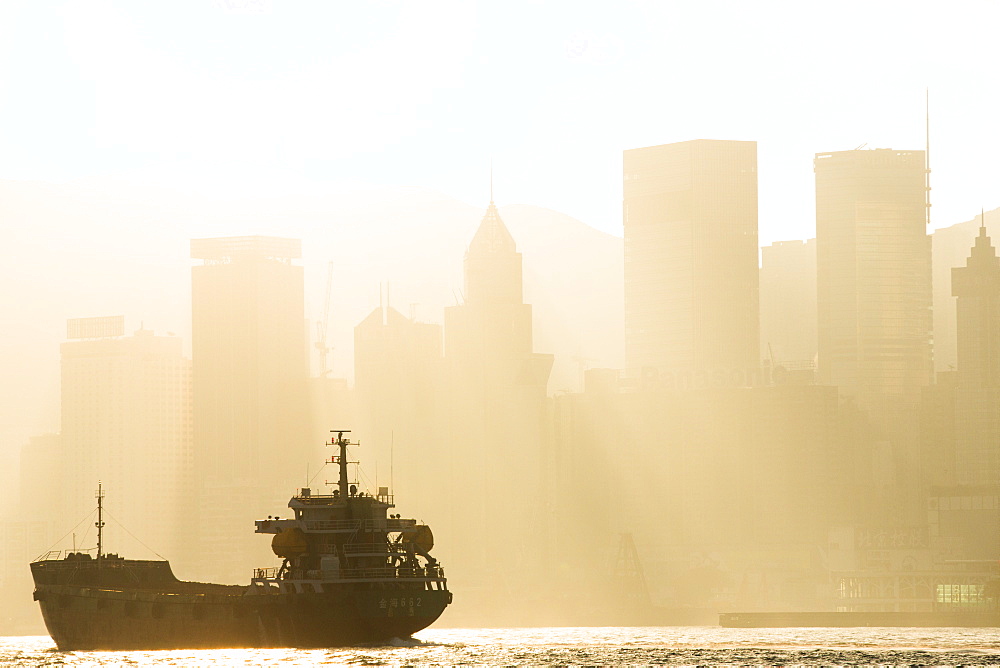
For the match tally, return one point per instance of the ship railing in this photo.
(332, 525)
(78, 558)
(402, 572)
(390, 573)
(388, 524)
(388, 549)
(57, 555)
(270, 573)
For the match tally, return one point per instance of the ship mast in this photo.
(100, 520)
(342, 443)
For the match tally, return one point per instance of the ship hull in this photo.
(90, 618)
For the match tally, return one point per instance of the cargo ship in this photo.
(350, 573)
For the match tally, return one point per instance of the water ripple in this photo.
(667, 646)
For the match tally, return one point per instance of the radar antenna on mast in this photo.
(100, 520)
(343, 484)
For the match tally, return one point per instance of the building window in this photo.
(960, 596)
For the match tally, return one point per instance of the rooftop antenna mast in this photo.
(927, 156)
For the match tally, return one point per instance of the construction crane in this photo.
(627, 576)
(323, 325)
(582, 364)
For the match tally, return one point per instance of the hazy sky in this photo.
(251, 96)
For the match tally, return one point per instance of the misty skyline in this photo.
(82, 256)
(713, 444)
(534, 234)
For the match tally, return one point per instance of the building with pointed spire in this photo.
(494, 321)
(977, 288)
(488, 338)
(960, 424)
(977, 394)
(495, 413)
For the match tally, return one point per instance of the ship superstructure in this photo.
(350, 573)
(347, 540)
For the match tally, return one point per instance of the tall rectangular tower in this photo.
(691, 277)
(249, 374)
(873, 257)
(398, 396)
(126, 421)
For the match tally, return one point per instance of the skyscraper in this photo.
(249, 373)
(495, 412)
(494, 321)
(873, 274)
(977, 287)
(488, 339)
(691, 270)
(126, 421)
(397, 396)
(977, 394)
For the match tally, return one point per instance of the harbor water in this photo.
(674, 646)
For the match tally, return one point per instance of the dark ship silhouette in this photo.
(350, 574)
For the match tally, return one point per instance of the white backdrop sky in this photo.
(251, 96)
